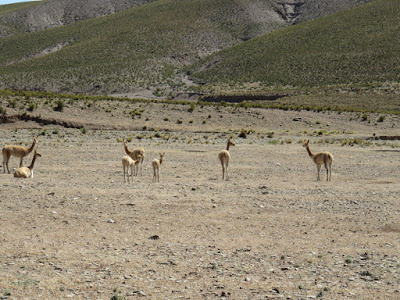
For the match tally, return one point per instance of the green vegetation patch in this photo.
(359, 46)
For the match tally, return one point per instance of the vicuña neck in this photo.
(161, 159)
(126, 149)
(227, 146)
(32, 163)
(309, 151)
(33, 146)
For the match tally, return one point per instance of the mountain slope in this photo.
(36, 16)
(143, 47)
(136, 48)
(360, 46)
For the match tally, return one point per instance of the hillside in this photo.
(36, 16)
(144, 47)
(355, 47)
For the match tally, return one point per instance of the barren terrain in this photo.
(76, 230)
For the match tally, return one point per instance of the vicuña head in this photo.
(230, 143)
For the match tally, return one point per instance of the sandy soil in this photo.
(272, 231)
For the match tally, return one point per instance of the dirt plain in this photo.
(271, 231)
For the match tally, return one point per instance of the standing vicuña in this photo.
(129, 163)
(25, 172)
(17, 151)
(321, 158)
(137, 154)
(224, 157)
(156, 167)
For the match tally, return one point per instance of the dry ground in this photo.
(272, 231)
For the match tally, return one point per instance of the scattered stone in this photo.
(275, 290)
(154, 237)
(137, 293)
(111, 221)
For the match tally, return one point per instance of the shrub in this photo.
(192, 107)
(59, 105)
(32, 106)
(12, 103)
(382, 118)
(83, 130)
(3, 111)
(243, 133)
(364, 117)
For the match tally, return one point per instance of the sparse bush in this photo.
(59, 105)
(192, 107)
(12, 103)
(3, 111)
(364, 117)
(382, 118)
(243, 133)
(32, 106)
(273, 142)
(83, 130)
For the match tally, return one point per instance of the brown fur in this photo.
(224, 157)
(137, 155)
(156, 167)
(26, 172)
(17, 151)
(320, 158)
(129, 163)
